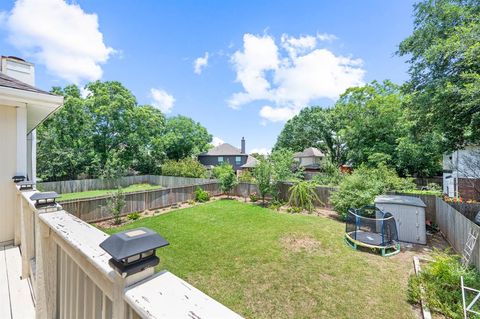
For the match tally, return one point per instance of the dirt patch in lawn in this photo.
(298, 243)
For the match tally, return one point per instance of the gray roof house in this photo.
(227, 153)
(309, 159)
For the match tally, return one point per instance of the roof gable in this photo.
(309, 152)
(224, 149)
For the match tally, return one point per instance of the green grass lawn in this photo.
(265, 264)
(103, 192)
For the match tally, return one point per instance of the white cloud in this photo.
(326, 37)
(217, 141)
(293, 77)
(259, 55)
(62, 36)
(162, 100)
(277, 114)
(261, 150)
(200, 64)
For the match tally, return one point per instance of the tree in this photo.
(226, 176)
(263, 176)
(312, 127)
(369, 121)
(185, 137)
(107, 134)
(444, 69)
(115, 203)
(65, 140)
(187, 167)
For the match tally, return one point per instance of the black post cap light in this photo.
(25, 185)
(44, 199)
(18, 178)
(133, 250)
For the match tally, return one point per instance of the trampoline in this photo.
(372, 228)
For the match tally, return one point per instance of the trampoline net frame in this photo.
(371, 226)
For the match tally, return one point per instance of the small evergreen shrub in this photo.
(253, 197)
(133, 216)
(201, 195)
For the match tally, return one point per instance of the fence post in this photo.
(46, 271)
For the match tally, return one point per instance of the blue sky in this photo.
(261, 61)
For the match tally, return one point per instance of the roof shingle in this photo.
(7, 81)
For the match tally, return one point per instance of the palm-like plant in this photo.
(303, 195)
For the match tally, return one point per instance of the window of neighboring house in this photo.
(220, 159)
(238, 160)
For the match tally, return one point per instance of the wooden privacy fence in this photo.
(83, 185)
(95, 209)
(71, 276)
(456, 227)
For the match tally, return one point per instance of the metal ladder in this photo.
(469, 246)
(469, 309)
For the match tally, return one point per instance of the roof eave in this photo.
(39, 105)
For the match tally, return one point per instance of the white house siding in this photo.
(8, 139)
(459, 168)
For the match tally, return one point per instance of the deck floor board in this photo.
(15, 295)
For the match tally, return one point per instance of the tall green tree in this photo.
(65, 140)
(107, 134)
(444, 56)
(184, 137)
(369, 121)
(312, 127)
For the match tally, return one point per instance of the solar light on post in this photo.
(133, 251)
(45, 199)
(18, 178)
(26, 185)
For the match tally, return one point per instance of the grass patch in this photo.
(103, 192)
(264, 264)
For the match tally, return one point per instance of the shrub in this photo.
(440, 280)
(116, 203)
(330, 175)
(186, 167)
(201, 195)
(133, 216)
(361, 187)
(246, 177)
(303, 195)
(253, 197)
(226, 176)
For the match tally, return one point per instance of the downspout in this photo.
(456, 175)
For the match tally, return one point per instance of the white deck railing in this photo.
(71, 277)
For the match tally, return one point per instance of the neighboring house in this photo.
(225, 153)
(461, 173)
(310, 159)
(22, 108)
(251, 163)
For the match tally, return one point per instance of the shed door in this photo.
(8, 150)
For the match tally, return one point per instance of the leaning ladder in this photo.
(469, 246)
(468, 309)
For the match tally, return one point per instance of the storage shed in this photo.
(409, 213)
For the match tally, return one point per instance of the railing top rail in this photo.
(166, 296)
(81, 236)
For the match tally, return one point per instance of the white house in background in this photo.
(310, 159)
(461, 173)
(22, 108)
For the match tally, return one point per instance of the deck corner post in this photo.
(46, 272)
